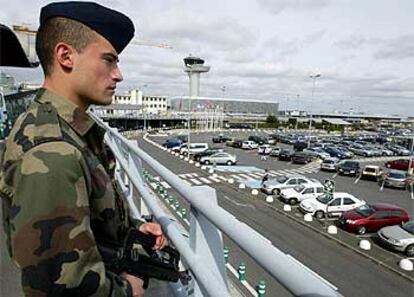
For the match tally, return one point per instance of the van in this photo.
(194, 148)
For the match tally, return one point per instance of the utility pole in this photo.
(314, 77)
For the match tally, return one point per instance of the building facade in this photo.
(148, 104)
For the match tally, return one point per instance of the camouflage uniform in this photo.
(57, 199)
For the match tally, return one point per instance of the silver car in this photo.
(219, 158)
(399, 238)
(329, 164)
(395, 179)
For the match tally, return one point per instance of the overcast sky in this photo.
(266, 49)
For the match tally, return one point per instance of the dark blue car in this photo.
(335, 153)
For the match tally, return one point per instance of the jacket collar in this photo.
(78, 119)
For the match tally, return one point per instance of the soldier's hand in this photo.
(136, 284)
(155, 230)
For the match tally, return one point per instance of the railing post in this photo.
(206, 240)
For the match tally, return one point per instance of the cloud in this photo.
(277, 6)
(399, 48)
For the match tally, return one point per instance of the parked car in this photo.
(360, 150)
(398, 150)
(372, 172)
(398, 238)
(193, 148)
(300, 145)
(275, 152)
(264, 149)
(249, 145)
(236, 143)
(182, 137)
(395, 179)
(207, 152)
(220, 138)
(258, 139)
(333, 152)
(219, 158)
(399, 164)
(286, 154)
(275, 185)
(329, 164)
(301, 192)
(172, 142)
(331, 205)
(301, 158)
(317, 152)
(372, 217)
(347, 153)
(348, 168)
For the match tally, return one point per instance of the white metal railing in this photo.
(202, 252)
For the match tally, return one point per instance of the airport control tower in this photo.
(194, 66)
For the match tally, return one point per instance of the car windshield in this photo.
(351, 164)
(409, 227)
(369, 169)
(299, 189)
(365, 210)
(324, 198)
(395, 174)
(282, 179)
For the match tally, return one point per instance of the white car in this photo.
(275, 185)
(264, 149)
(329, 164)
(301, 192)
(332, 205)
(249, 145)
(194, 148)
(219, 158)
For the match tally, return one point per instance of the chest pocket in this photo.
(108, 209)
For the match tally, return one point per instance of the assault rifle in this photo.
(125, 257)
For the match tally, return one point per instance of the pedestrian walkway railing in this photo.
(202, 249)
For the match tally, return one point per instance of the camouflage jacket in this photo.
(57, 199)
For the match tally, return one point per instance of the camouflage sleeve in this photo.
(52, 241)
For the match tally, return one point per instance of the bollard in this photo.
(171, 200)
(242, 271)
(406, 264)
(226, 254)
(230, 181)
(242, 186)
(211, 171)
(287, 207)
(269, 199)
(176, 205)
(332, 229)
(261, 289)
(255, 192)
(183, 213)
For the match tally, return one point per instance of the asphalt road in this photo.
(353, 273)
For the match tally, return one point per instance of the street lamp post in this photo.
(314, 77)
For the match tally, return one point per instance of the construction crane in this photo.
(23, 29)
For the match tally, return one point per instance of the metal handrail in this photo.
(290, 273)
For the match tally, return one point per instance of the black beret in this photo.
(114, 26)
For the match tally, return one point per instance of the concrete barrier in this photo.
(211, 171)
(308, 217)
(269, 199)
(406, 264)
(287, 207)
(204, 167)
(197, 164)
(230, 181)
(365, 245)
(332, 229)
(255, 192)
(242, 186)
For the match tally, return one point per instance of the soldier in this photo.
(57, 195)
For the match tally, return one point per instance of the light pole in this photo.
(314, 77)
(144, 108)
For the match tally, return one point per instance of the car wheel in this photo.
(409, 251)
(229, 163)
(293, 201)
(319, 214)
(361, 230)
(275, 192)
(206, 162)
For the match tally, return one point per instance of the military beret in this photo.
(114, 26)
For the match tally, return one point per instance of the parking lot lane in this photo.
(353, 274)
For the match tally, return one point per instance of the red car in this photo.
(399, 164)
(372, 217)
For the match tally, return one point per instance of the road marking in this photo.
(358, 178)
(236, 177)
(254, 175)
(238, 203)
(335, 175)
(222, 178)
(214, 179)
(196, 181)
(165, 185)
(245, 176)
(382, 186)
(207, 181)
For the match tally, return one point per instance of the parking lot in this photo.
(249, 171)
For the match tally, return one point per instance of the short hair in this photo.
(60, 29)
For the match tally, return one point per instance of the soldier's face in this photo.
(97, 73)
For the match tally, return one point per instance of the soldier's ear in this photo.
(64, 55)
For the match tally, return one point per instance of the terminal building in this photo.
(229, 106)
